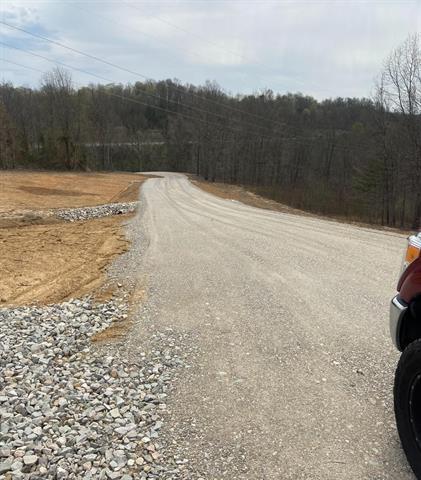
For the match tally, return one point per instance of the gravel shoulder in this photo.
(71, 409)
(74, 401)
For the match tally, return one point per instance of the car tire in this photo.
(407, 400)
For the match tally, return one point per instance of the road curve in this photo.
(292, 377)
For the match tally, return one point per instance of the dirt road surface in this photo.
(292, 378)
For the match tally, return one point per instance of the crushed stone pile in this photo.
(87, 213)
(69, 411)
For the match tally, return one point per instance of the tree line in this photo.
(349, 157)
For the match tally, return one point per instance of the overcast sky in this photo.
(322, 48)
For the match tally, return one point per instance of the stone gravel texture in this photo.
(71, 410)
(88, 213)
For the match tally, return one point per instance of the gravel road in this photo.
(291, 372)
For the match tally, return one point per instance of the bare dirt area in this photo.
(45, 260)
(28, 190)
(48, 263)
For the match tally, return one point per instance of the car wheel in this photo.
(407, 396)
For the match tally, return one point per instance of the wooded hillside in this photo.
(358, 158)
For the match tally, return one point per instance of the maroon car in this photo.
(405, 328)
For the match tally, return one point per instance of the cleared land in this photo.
(45, 260)
(26, 190)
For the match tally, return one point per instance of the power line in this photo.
(24, 66)
(137, 30)
(143, 76)
(295, 139)
(267, 121)
(274, 122)
(210, 42)
(162, 20)
(132, 72)
(183, 92)
(173, 25)
(57, 62)
(156, 107)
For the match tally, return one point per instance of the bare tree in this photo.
(8, 138)
(400, 91)
(57, 87)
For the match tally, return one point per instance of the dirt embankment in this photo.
(46, 260)
(243, 195)
(246, 195)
